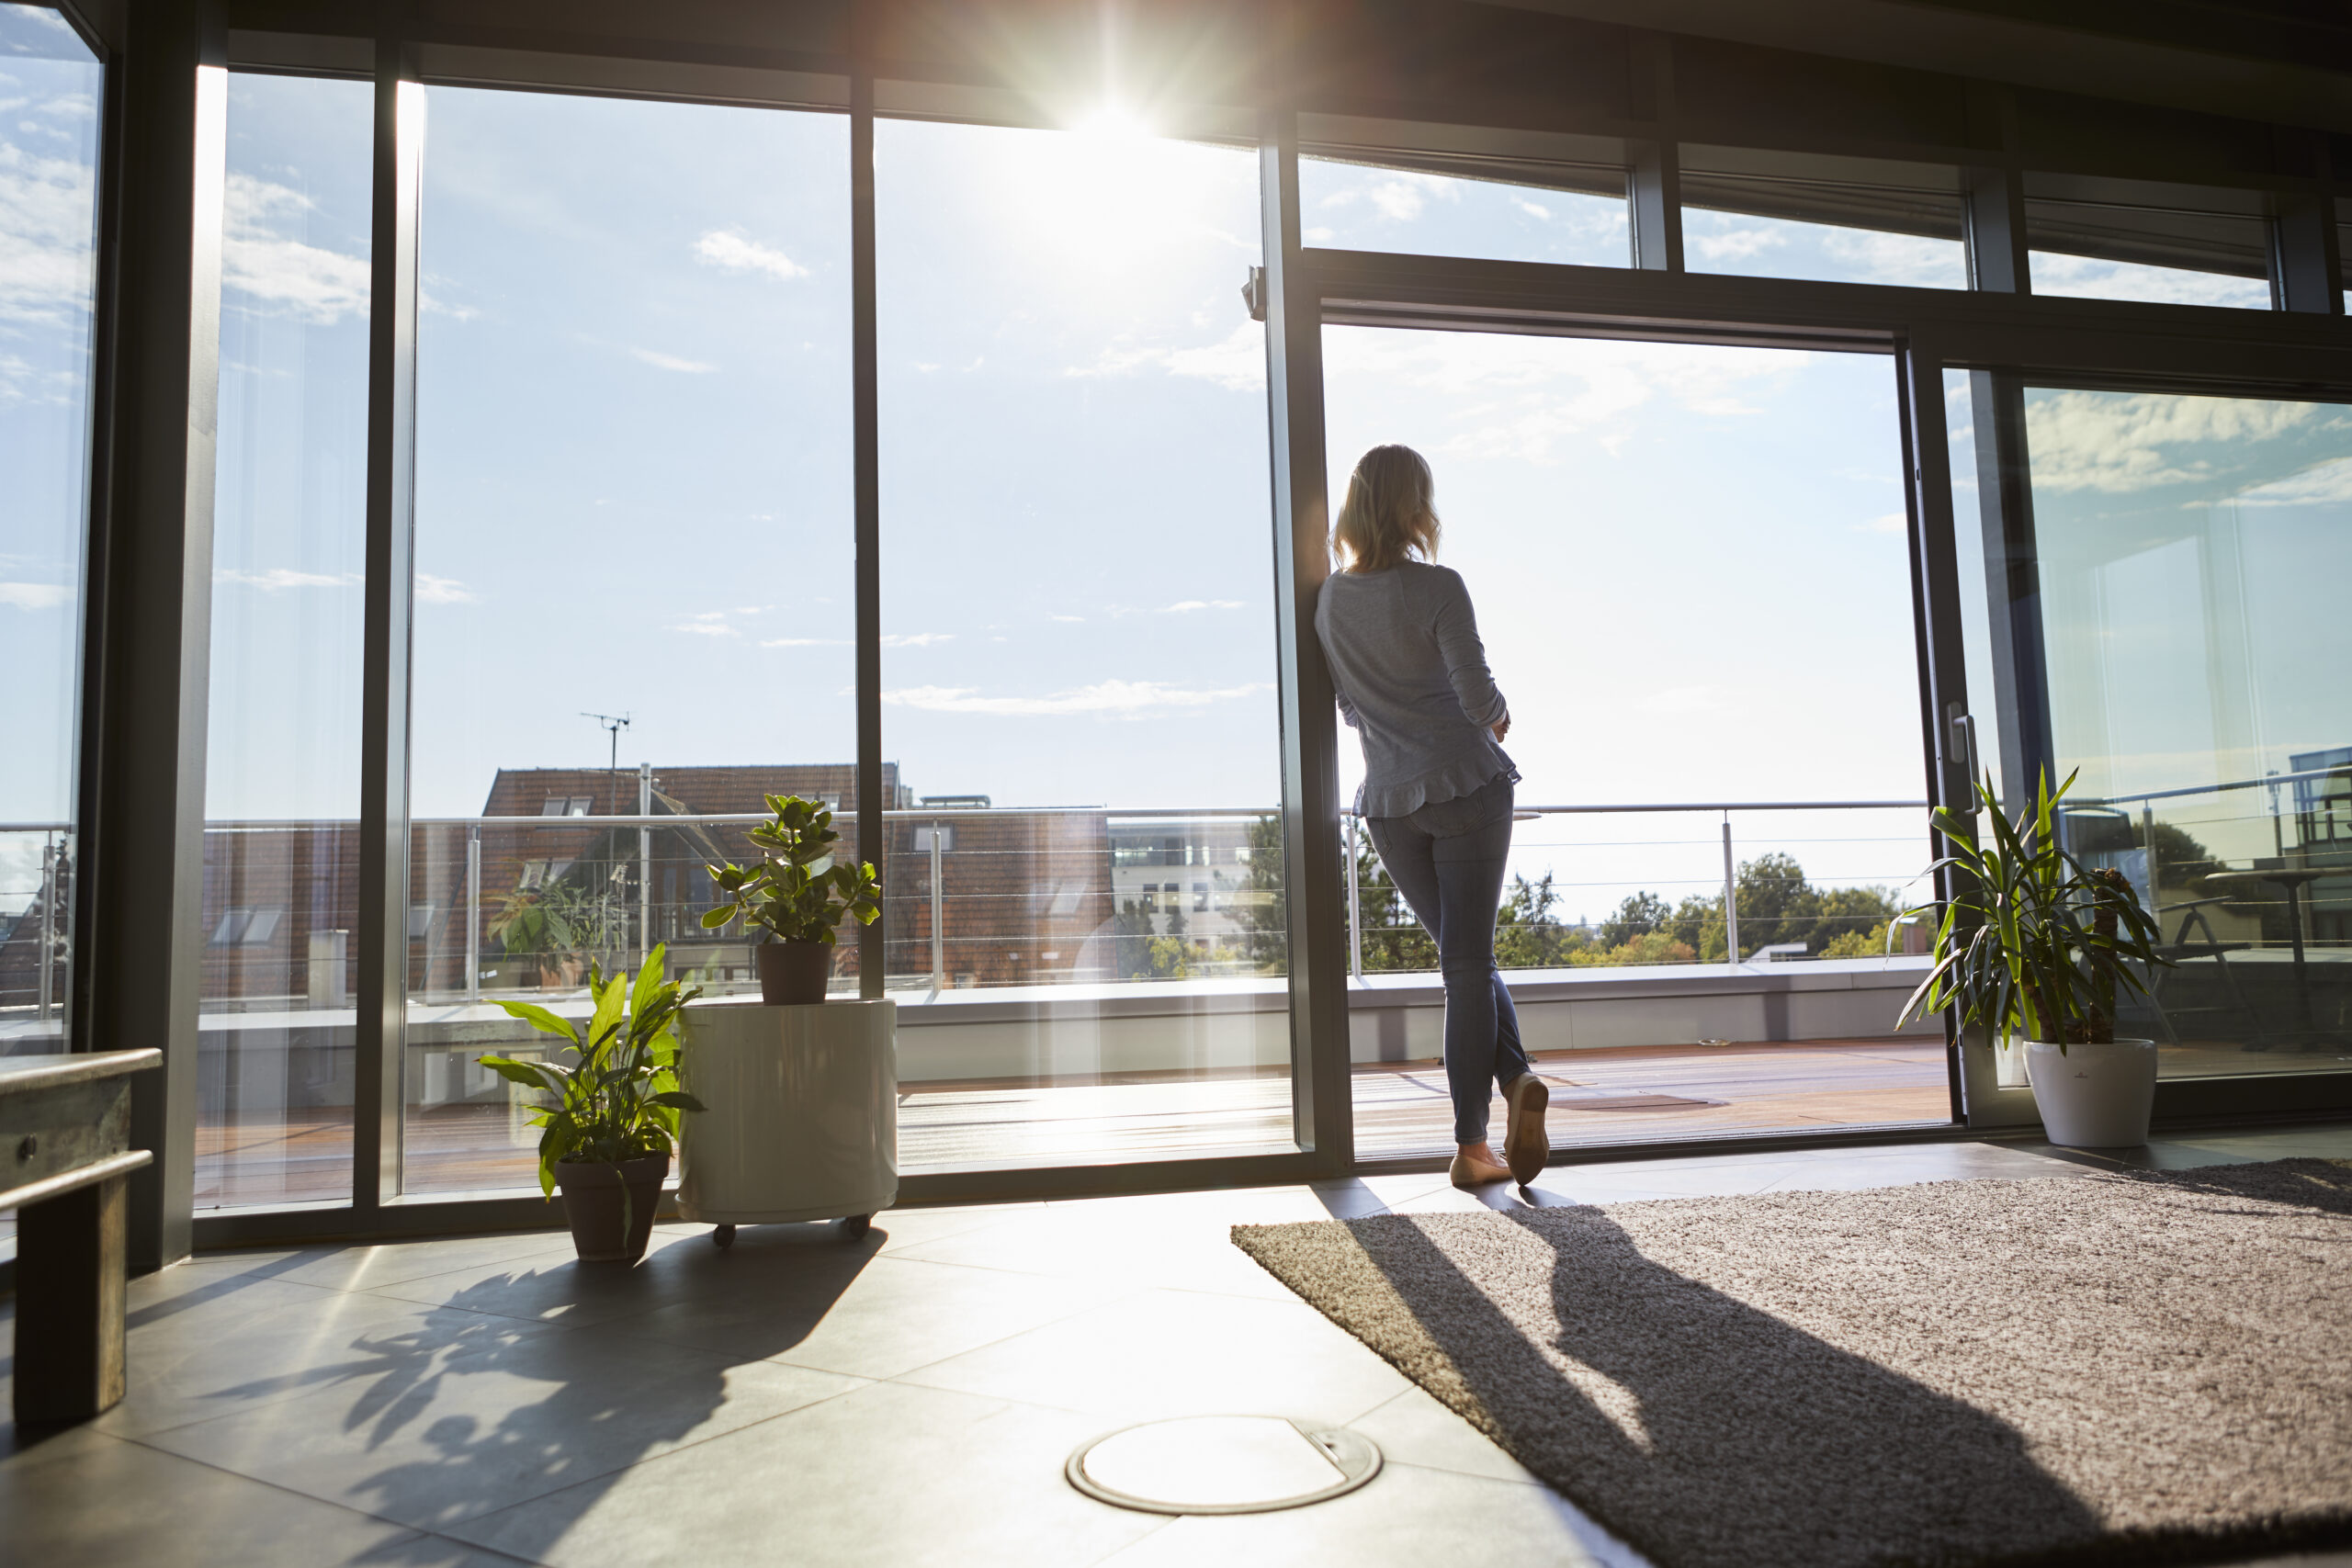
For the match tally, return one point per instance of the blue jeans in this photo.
(1447, 859)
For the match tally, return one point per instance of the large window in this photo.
(1692, 579)
(48, 211)
(276, 1070)
(2189, 554)
(1083, 883)
(633, 559)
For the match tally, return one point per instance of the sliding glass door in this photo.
(1693, 579)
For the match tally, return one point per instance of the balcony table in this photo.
(64, 1156)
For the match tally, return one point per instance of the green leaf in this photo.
(677, 1100)
(540, 1018)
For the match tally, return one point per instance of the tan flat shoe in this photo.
(1526, 1145)
(1468, 1173)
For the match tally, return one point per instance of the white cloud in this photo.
(34, 595)
(1735, 245)
(1532, 208)
(2087, 277)
(1075, 619)
(278, 578)
(1236, 362)
(702, 627)
(915, 639)
(1117, 699)
(308, 282)
(1892, 522)
(45, 205)
(725, 248)
(671, 362)
(1527, 396)
(1911, 261)
(432, 589)
(2117, 443)
(2323, 484)
(1186, 606)
(804, 642)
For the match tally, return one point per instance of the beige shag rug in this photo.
(2119, 1369)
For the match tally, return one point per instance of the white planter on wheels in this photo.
(802, 1118)
(2095, 1097)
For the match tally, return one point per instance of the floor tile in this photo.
(1165, 1352)
(892, 1315)
(1414, 1429)
(463, 1414)
(95, 1501)
(202, 1365)
(888, 1476)
(1404, 1516)
(1184, 1242)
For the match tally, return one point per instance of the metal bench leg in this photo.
(70, 1298)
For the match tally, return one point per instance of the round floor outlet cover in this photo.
(1222, 1464)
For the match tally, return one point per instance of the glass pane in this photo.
(2191, 552)
(1083, 891)
(1969, 526)
(2120, 239)
(281, 848)
(49, 155)
(1692, 579)
(633, 559)
(1759, 214)
(1368, 206)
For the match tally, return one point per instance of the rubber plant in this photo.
(797, 891)
(2032, 944)
(618, 1098)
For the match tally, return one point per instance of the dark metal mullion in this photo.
(140, 963)
(1935, 610)
(866, 444)
(377, 1121)
(1314, 863)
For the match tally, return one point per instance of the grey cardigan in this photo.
(1412, 681)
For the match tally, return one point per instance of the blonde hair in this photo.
(1390, 512)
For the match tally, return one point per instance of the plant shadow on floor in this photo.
(1704, 1432)
(492, 1400)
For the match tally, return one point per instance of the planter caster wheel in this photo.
(856, 1226)
(723, 1237)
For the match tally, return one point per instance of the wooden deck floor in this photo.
(1643, 1094)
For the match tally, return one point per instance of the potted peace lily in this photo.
(2035, 948)
(610, 1118)
(797, 895)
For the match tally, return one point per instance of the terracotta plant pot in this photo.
(604, 1229)
(793, 973)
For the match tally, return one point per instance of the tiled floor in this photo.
(907, 1399)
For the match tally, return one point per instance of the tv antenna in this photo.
(612, 724)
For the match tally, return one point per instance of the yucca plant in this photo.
(796, 892)
(2032, 944)
(619, 1099)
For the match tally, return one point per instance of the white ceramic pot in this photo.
(2093, 1096)
(802, 1111)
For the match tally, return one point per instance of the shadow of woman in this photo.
(1706, 1433)
(478, 1406)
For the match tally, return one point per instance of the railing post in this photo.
(473, 913)
(1731, 900)
(48, 919)
(1355, 903)
(938, 906)
(645, 865)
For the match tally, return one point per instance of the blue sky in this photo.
(49, 88)
(633, 489)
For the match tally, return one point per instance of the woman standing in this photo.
(1412, 680)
